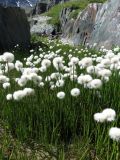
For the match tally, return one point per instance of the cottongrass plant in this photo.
(59, 94)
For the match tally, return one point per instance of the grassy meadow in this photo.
(62, 99)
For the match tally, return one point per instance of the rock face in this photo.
(44, 5)
(39, 8)
(79, 30)
(96, 24)
(107, 25)
(14, 28)
(65, 18)
(84, 24)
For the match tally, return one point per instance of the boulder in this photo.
(80, 29)
(98, 23)
(14, 28)
(66, 21)
(84, 24)
(107, 25)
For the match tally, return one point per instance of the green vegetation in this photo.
(64, 127)
(76, 5)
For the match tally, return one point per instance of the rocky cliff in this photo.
(14, 28)
(98, 23)
(39, 8)
(44, 5)
(107, 25)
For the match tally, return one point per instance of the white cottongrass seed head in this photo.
(99, 117)
(114, 133)
(61, 95)
(75, 92)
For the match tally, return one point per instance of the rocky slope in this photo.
(44, 5)
(96, 24)
(39, 23)
(14, 28)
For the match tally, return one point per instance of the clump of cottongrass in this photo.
(61, 95)
(28, 91)
(74, 60)
(73, 77)
(9, 97)
(6, 85)
(107, 114)
(104, 73)
(75, 92)
(46, 63)
(18, 65)
(114, 133)
(32, 50)
(91, 69)
(58, 63)
(106, 62)
(4, 79)
(9, 67)
(35, 78)
(99, 117)
(22, 81)
(20, 94)
(85, 62)
(60, 83)
(83, 79)
(95, 84)
(43, 69)
(41, 84)
(8, 57)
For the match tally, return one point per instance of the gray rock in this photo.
(39, 8)
(65, 20)
(107, 25)
(14, 28)
(84, 24)
(44, 5)
(96, 24)
(79, 30)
